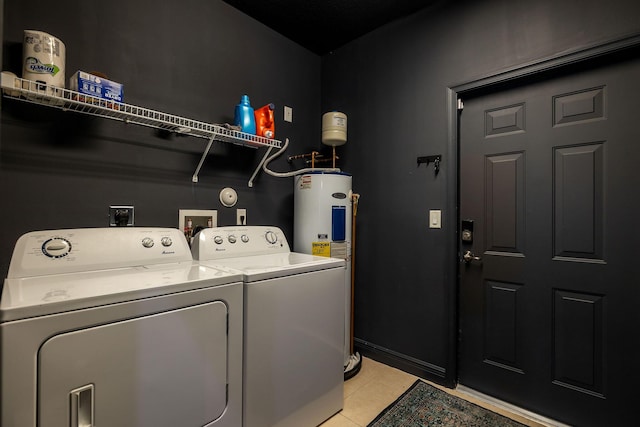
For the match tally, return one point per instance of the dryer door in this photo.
(167, 369)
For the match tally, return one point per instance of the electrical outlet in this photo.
(241, 217)
(288, 114)
(121, 216)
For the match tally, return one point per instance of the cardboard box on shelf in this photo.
(96, 86)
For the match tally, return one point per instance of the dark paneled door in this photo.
(550, 175)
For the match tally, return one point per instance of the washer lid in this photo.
(43, 295)
(262, 267)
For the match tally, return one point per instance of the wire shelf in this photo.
(68, 100)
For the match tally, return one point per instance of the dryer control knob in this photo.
(218, 240)
(56, 247)
(271, 237)
(244, 238)
(147, 242)
(166, 241)
(232, 238)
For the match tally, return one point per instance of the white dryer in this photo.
(118, 327)
(293, 324)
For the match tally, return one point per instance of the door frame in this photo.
(491, 83)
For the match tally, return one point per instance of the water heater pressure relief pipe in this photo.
(355, 360)
(355, 198)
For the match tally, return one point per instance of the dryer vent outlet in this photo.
(121, 216)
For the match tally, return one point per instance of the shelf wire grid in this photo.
(68, 100)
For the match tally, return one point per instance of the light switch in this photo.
(288, 114)
(435, 219)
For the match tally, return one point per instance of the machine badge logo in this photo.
(339, 196)
(56, 295)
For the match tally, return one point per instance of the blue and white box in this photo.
(99, 87)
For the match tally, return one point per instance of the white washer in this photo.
(118, 327)
(293, 324)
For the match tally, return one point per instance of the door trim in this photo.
(492, 81)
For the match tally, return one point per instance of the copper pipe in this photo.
(321, 159)
(302, 156)
(354, 210)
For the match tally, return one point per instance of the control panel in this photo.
(75, 250)
(237, 241)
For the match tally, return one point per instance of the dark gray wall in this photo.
(192, 58)
(196, 57)
(392, 84)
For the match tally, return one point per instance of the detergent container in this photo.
(244, 116)
(265, 123)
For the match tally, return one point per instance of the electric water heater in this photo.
(322, 224)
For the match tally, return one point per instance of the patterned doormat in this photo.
(424, 405)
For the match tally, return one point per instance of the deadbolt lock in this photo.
(467, 231)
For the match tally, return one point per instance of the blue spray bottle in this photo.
(244, 116)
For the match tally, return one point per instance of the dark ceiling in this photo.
(324, 25)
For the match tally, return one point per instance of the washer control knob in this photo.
(232, 238)
(166, 241)
(271, 237)
(56, 247)
(147, 242)
(218, 240)
(244, 238)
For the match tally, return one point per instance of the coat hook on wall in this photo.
(428, 159)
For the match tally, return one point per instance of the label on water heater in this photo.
(339, 250)
(305, 182)
(338, 223)
(321, 249)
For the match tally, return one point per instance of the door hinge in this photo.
(460, 105)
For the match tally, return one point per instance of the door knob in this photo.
(469, 256)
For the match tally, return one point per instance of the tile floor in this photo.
(378, 385)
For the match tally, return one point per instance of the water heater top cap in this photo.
(334, 128)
